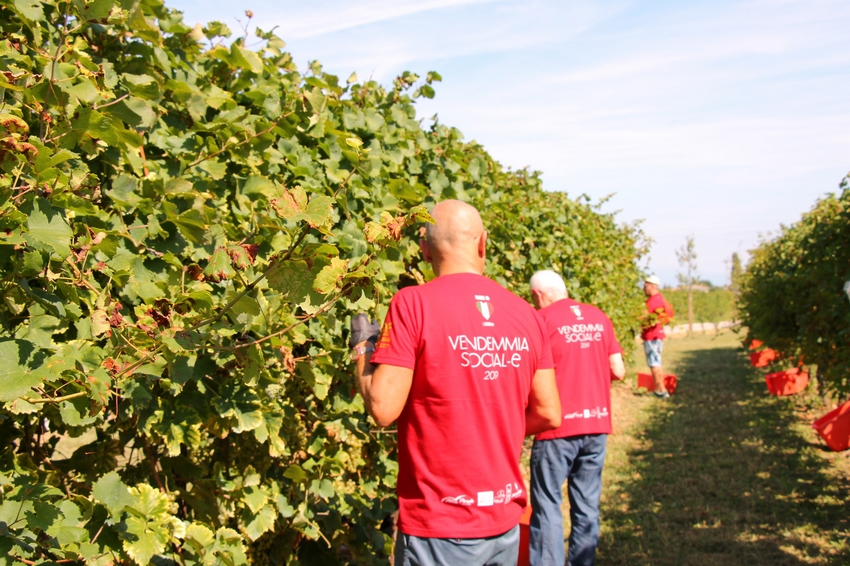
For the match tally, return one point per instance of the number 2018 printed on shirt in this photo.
(491, 375)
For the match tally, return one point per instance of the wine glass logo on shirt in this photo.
(577, 311)
(485, 307)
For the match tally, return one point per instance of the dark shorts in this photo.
(499, 550)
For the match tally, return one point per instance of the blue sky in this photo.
(721, 119)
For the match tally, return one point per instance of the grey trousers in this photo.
(499, 550)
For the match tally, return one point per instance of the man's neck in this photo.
(451, 268)
(546, 301)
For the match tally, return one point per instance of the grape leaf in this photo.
(47, 230)
(111, 491)
(19, 368)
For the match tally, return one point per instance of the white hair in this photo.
(549, 282)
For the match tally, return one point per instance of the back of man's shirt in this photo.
(474, 348)
(582, 339)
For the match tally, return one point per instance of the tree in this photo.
(792, 292)
(716, 305)
(737, 271)
(687, 257)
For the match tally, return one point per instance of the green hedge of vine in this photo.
(792, 293)
(186, 227)
(716, 305)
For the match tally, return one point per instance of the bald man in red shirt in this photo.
(465, 367)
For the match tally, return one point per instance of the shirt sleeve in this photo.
(399, 338)
(546, 360)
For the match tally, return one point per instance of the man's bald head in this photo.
(455, 224)
(455, 241)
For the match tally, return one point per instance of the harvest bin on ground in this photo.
(646, 381)
(834, 427)
(762, 358)
(787, 382)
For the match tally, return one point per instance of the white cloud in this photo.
(317, 18)
(721, 118)
(455, 33)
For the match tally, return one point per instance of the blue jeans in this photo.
(499, 550)
(652, 349)
(579, 458)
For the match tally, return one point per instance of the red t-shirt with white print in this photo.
(653, 304)
(582, 339)
(473, 347)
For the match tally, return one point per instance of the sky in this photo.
(719, 119)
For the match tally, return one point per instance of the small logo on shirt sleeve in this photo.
(384, 338)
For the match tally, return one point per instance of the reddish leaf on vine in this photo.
(394, 226)
(112, 366)
(240, 257)
(161, 313)
(288, 359)
(195, 272)
(81, 253)
(375, 233)
(219, 268)
(13, 125)
(291, 203)
(115, 319)
(252, 250)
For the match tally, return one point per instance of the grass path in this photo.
(721, 473)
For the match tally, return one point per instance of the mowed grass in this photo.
(721, 473)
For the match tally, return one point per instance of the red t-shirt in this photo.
(656, 332)
(582, 338)
(474, 348)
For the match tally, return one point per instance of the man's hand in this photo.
(544, 403)
(384, 388)
(618, 368)
(363, 329)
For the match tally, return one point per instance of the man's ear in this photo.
(482, 245)
(536, 297)
(426, 250)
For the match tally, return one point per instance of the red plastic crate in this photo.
(834, 427)
(646, 381)
(762, 358)
(524, 522)
(787, 382)
(755, 344)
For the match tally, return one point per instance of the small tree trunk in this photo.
(690, 311)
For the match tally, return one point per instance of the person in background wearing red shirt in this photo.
(659, 312)
(587, 357)
(466, 368)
